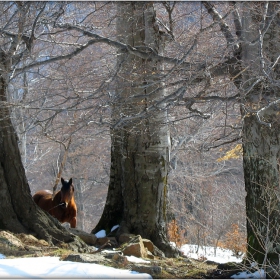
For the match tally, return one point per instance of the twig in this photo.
(61, 167)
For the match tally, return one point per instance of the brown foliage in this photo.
(235, 241)
(175, 234)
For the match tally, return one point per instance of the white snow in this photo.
(136, 260)
(208, 253)
(101, 233)
(221, 256)
(259, 274)
(52, 267)
(114, 227)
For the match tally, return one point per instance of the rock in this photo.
(136, 248)
(121, 260)
(85, 258)
(140, 247)
(8, 239)
(78, 245)
(150, 255)
(31, 240)
(152, 248)
(157, 252)
(102, 240)
(125, 237)
(88, 238)
(110, 241)
(136, 238)
(66, 225)
(149, 245)
(108, 255)
(153, 270)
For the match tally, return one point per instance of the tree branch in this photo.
(228, 66)
(147, 54)
(236, 19)
(224, 143)
(61, 166)
(223, 25)
(58, 58)
(270, 110)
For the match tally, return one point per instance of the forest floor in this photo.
(158, 268)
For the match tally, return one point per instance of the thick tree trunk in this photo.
(18, 212)
(113, 211)
(261, 147)
(138, 191)
(261, 137)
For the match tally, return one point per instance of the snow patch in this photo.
(52, 267)
(136, 260)
(114, 227)
(101, 233)
(260, 274)
(208, 253)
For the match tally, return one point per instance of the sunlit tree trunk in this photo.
(261, 134)
(138, 191)
(261, 170)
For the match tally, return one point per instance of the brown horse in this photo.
(62, 206)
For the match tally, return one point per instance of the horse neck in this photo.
(72, 201)
(56, 199)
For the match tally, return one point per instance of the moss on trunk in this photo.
(261, 173)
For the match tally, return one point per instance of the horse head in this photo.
(67, 192)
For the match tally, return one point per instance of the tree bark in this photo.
(261, 137)
(138, 192)
(261, 147)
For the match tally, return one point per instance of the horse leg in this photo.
(73, 222)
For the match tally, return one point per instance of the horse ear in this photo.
(70, 181)
(62, 180)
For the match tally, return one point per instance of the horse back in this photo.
(43, 199)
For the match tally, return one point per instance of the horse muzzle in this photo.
(63, 204)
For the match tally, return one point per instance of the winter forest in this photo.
(164, 114)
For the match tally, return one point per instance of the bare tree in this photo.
(256, 51)
(137, 195)
(22, 25)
